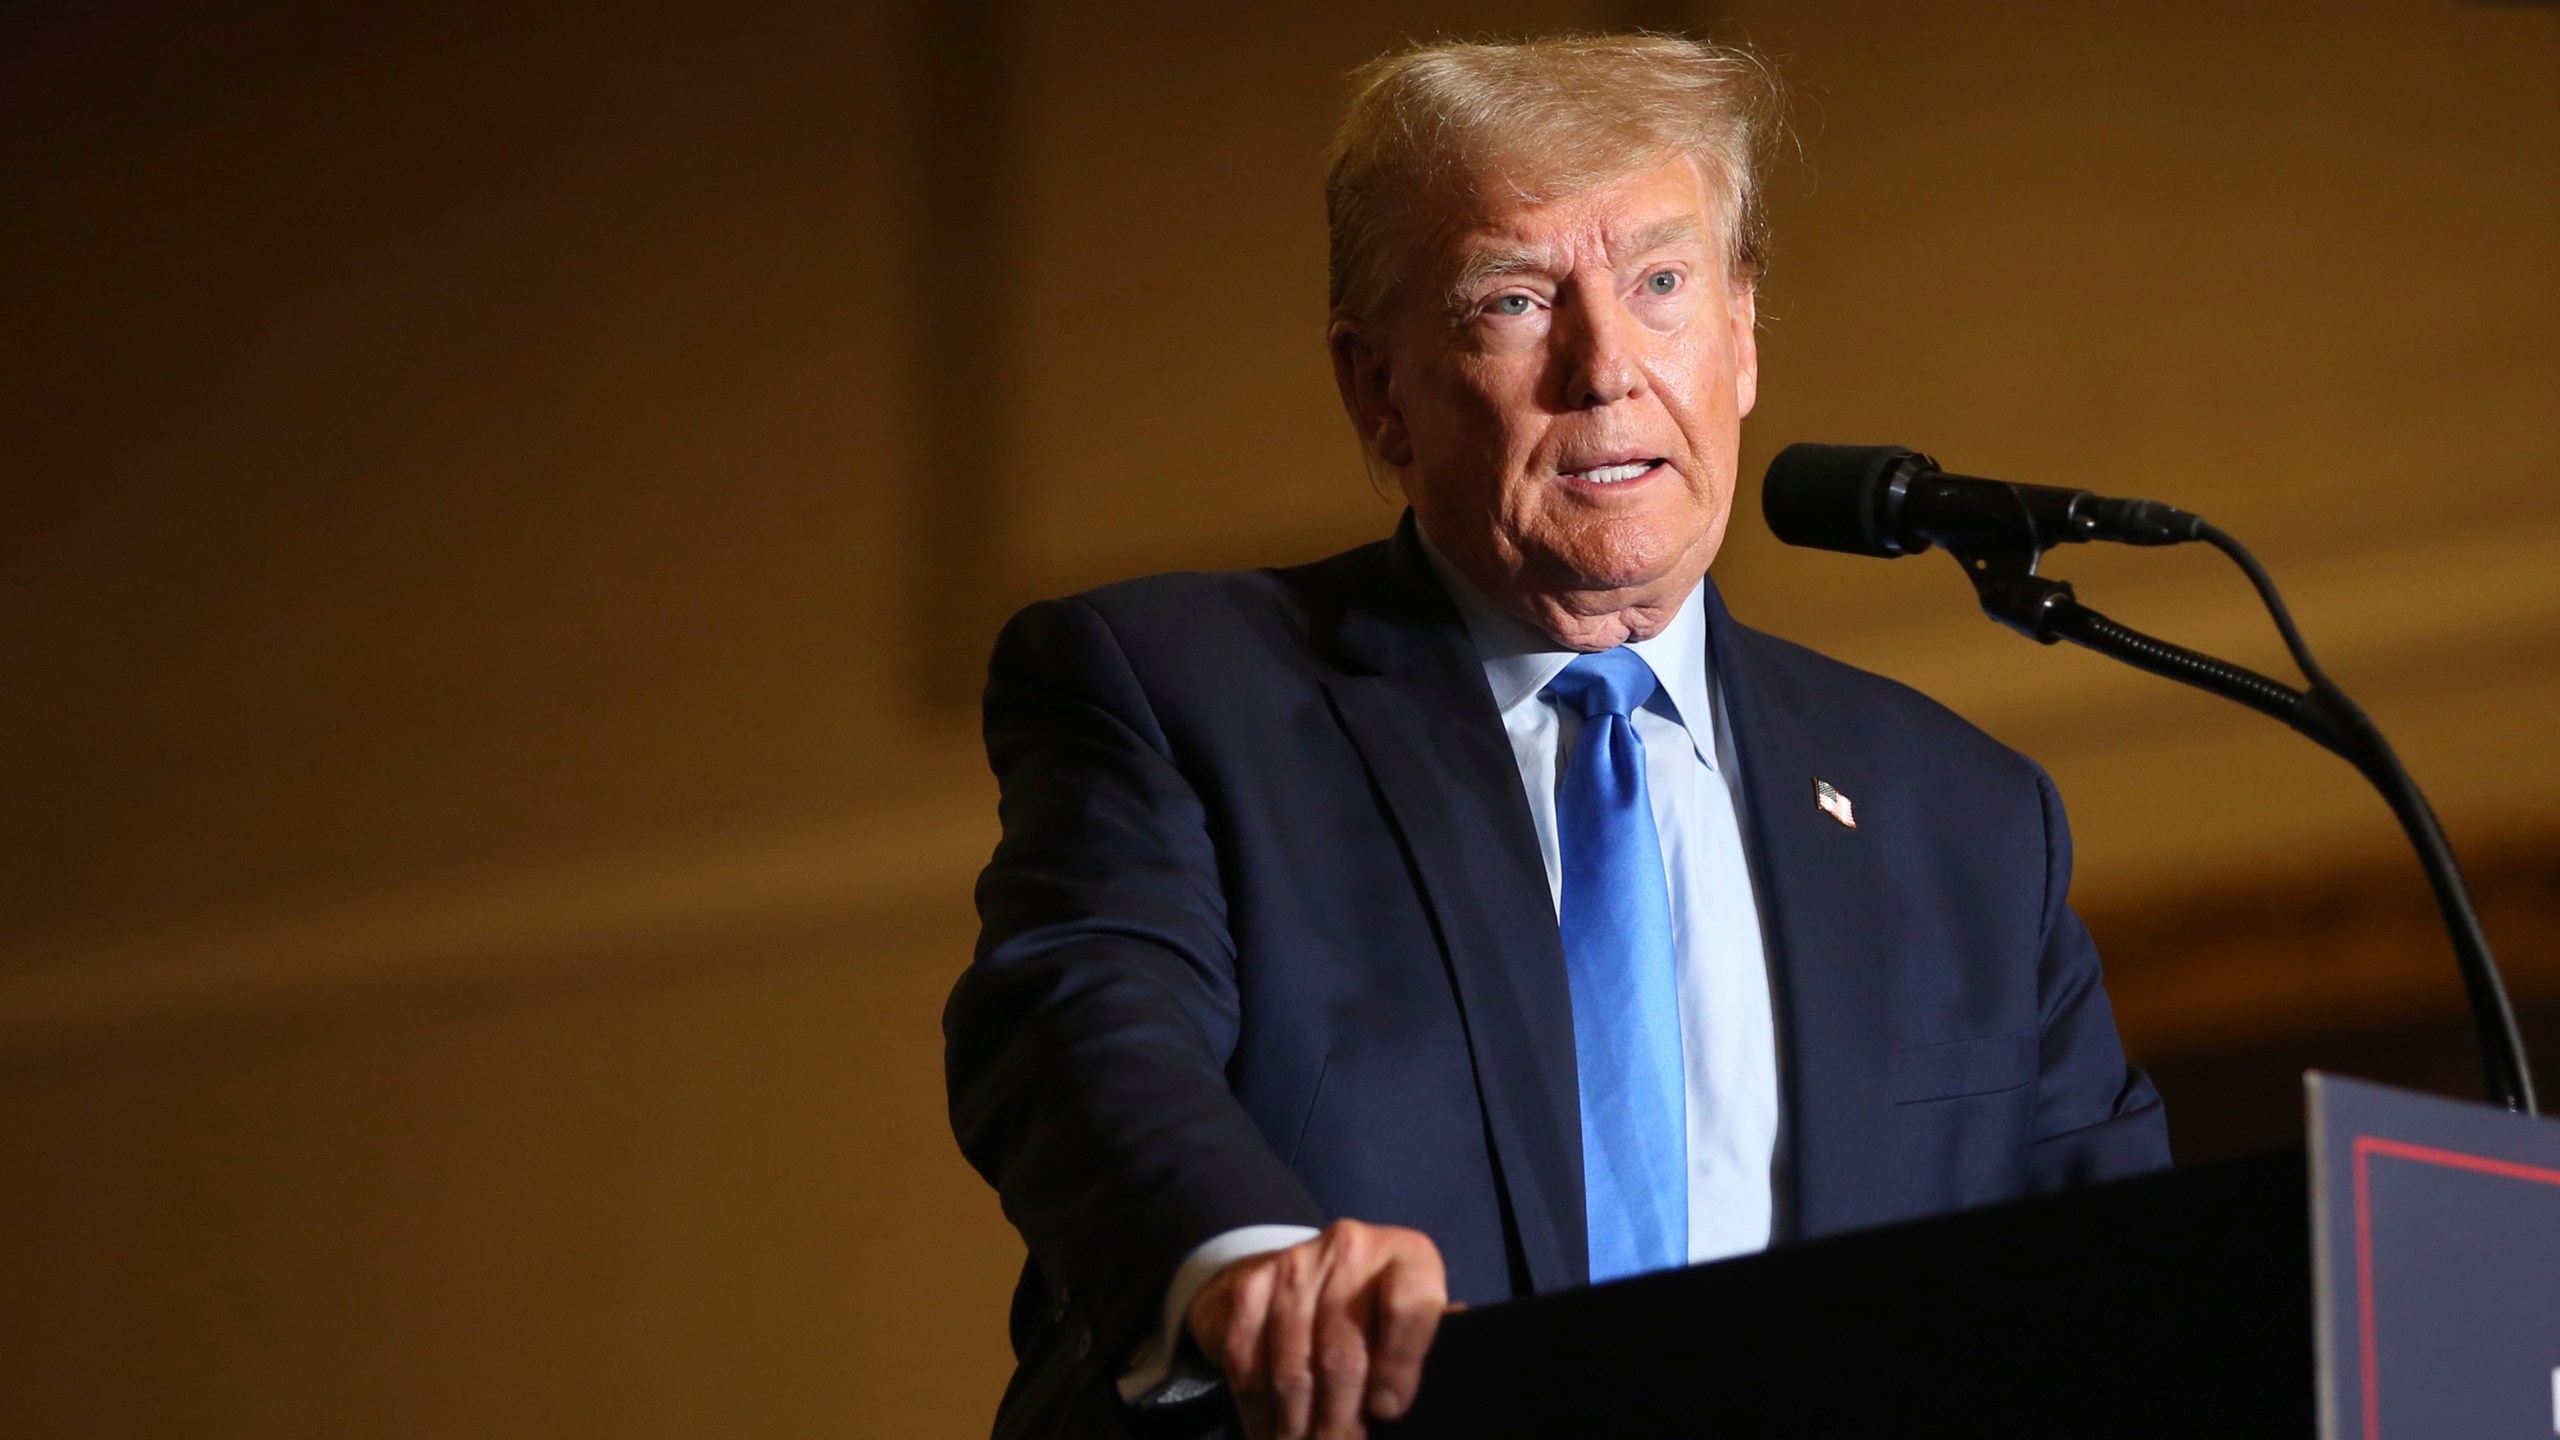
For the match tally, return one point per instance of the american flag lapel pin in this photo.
(1833, 803)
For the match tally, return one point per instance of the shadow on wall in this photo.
(2229, 994)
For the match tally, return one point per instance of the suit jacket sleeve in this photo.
(1087, 1044)
(2096, 1117)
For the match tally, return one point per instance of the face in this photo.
(1560, 387)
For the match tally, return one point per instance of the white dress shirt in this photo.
(1728, 1031)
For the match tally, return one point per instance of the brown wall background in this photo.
(500, 508)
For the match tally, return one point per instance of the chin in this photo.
(1626, 554)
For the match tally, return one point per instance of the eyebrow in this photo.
(1493, 264)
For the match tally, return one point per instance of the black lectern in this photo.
(2180, 1305)
(2174, 1305)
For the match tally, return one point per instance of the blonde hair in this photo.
(1547, 118)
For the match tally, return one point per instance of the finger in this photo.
(1288, 1335)
(1237, 1348)
(1412, 1294)
(1343, 1315)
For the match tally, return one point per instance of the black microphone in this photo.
(1885, 500)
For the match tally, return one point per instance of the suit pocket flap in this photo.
(1964, 1067)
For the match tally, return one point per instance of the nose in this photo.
(1603, 353)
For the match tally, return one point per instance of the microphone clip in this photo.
(2005, 581)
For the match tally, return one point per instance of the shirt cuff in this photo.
(1158, 1374)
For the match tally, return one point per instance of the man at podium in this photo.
(1484, 911)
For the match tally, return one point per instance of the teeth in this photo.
(1612, 474)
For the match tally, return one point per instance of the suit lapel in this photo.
(1821, 907)
(1412, 695)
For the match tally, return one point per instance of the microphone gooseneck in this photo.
(1886, 501)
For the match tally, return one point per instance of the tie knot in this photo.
(1612, 682)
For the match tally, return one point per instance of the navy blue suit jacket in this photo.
(1268, 939)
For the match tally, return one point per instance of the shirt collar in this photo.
(1519, 659)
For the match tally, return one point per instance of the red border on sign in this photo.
(2370, 1145)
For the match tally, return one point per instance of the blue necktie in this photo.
(1615, 915)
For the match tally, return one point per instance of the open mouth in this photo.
(1615, 474)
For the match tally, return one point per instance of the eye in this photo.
(1662, 282)
(1510, 306)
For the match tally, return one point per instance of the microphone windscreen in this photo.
(1833, 497)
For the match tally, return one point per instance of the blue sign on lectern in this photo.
(2437, 1227)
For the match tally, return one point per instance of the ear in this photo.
(1361, 373)
(1746, 348)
